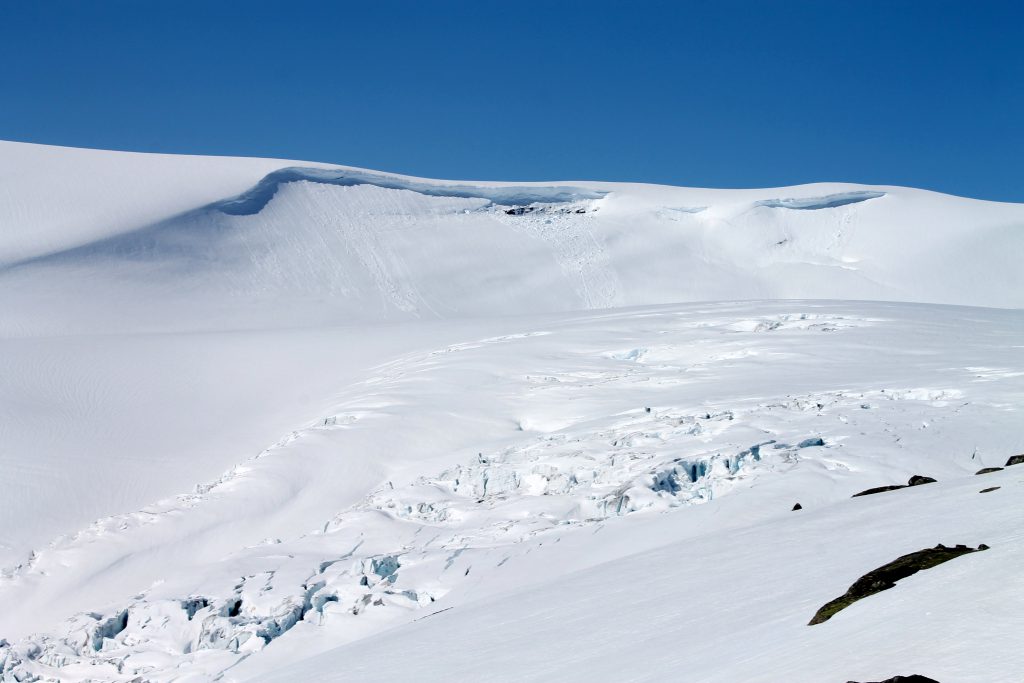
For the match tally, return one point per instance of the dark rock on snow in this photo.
(886, 576)
(1015, 460)
(913, 678)
(798, 506)
(987, 470)
(915, 480)
(878, 489)
(990, 488)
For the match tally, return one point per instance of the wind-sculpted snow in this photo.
(831, 201)
(254, 200)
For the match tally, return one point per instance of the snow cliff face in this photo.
(260, 419)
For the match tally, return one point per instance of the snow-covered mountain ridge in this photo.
(327, 245)
(260, 419)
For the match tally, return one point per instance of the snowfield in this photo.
(276, 421)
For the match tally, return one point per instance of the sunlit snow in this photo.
(271, 420)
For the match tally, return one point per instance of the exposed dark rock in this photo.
(520, 210)
(798, 506)
(990, 488)
(886, 576)
(879, 489)
(1015, 460)
(915, 480)
(913, 678)
(988, 470)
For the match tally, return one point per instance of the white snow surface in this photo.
(274, 420)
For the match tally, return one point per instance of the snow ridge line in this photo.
(830, 201)
(150, 514)
(255, 199)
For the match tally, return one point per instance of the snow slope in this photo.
(260, 419)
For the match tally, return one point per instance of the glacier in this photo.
(270, 420)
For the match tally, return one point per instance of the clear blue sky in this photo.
(720, 94)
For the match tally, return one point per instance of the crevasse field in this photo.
(269, 420)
